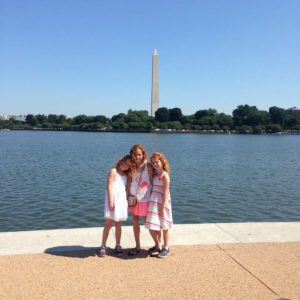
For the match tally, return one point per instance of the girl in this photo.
(159, 214)
(139, 187)
(116, 202)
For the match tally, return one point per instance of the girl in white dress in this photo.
(116, 207)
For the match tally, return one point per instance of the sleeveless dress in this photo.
(154, 221)
(120, 213)
(141, 188)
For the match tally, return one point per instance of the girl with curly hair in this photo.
(139, 189)
(159, 215)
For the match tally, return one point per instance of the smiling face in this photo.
(138, 156)
(157, 164)
(160, 163)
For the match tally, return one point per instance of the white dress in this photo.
(120, 213)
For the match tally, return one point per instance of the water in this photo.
(57, 179)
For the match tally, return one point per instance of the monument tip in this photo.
(155, 52)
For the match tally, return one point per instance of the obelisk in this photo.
(154, 91)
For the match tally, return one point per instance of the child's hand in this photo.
(111, 206)
(161, 210)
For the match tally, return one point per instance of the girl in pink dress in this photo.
(139, 187)
(159, 215)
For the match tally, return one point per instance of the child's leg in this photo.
(166, 238)
(136, 231)
(159, 237)
(106, 230)
(118, 227)
(155, 236)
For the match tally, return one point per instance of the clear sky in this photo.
(94, 57)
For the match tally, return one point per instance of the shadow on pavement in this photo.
(77, 251)
(72, 251)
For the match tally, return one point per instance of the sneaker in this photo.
(153, 251)
(163, 253)
(118, 250)
(102, 251)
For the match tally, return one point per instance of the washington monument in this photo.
(154, 90)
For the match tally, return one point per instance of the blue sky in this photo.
(94, 57)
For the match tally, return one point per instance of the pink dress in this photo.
(141, 188)
(154, 220)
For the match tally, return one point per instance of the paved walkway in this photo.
(28, 242)
(207, 261)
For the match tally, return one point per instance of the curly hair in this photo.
(164, 162)
(123, 160)
(133, 150)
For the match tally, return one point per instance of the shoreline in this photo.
(159, 131)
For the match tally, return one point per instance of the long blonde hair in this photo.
(164, 162)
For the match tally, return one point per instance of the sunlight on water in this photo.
(57, 179)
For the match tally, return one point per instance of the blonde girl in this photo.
(116, 208)
(159, 215)
(139, 187)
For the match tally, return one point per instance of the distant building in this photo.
(16, 118)
(21, 118)
(294, 110)
(4, 117)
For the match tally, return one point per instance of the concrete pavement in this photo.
(207, 261)
(29, 242)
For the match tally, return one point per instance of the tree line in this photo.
(244, 119)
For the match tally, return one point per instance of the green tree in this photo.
(42, 119)
(61, 119)
(277, 115)
(137, 116)
(149, 126)
(186, 119)
(100, 119)
(291, 121)
(142, 115)
(257, 117)
(205, 113)
(209, 120)
(137, 119)
(259, 129)
(224, 120)
(174, 125)
(241, 113)
(162, 114)
(52, 119)
(31, 120)
(80, 119)
(118, 117)
(273, 128)
(175, 114)
(163, 125)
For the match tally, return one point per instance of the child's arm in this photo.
(110, 179)
(166, 191)
(150, 172)
(129, 179)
